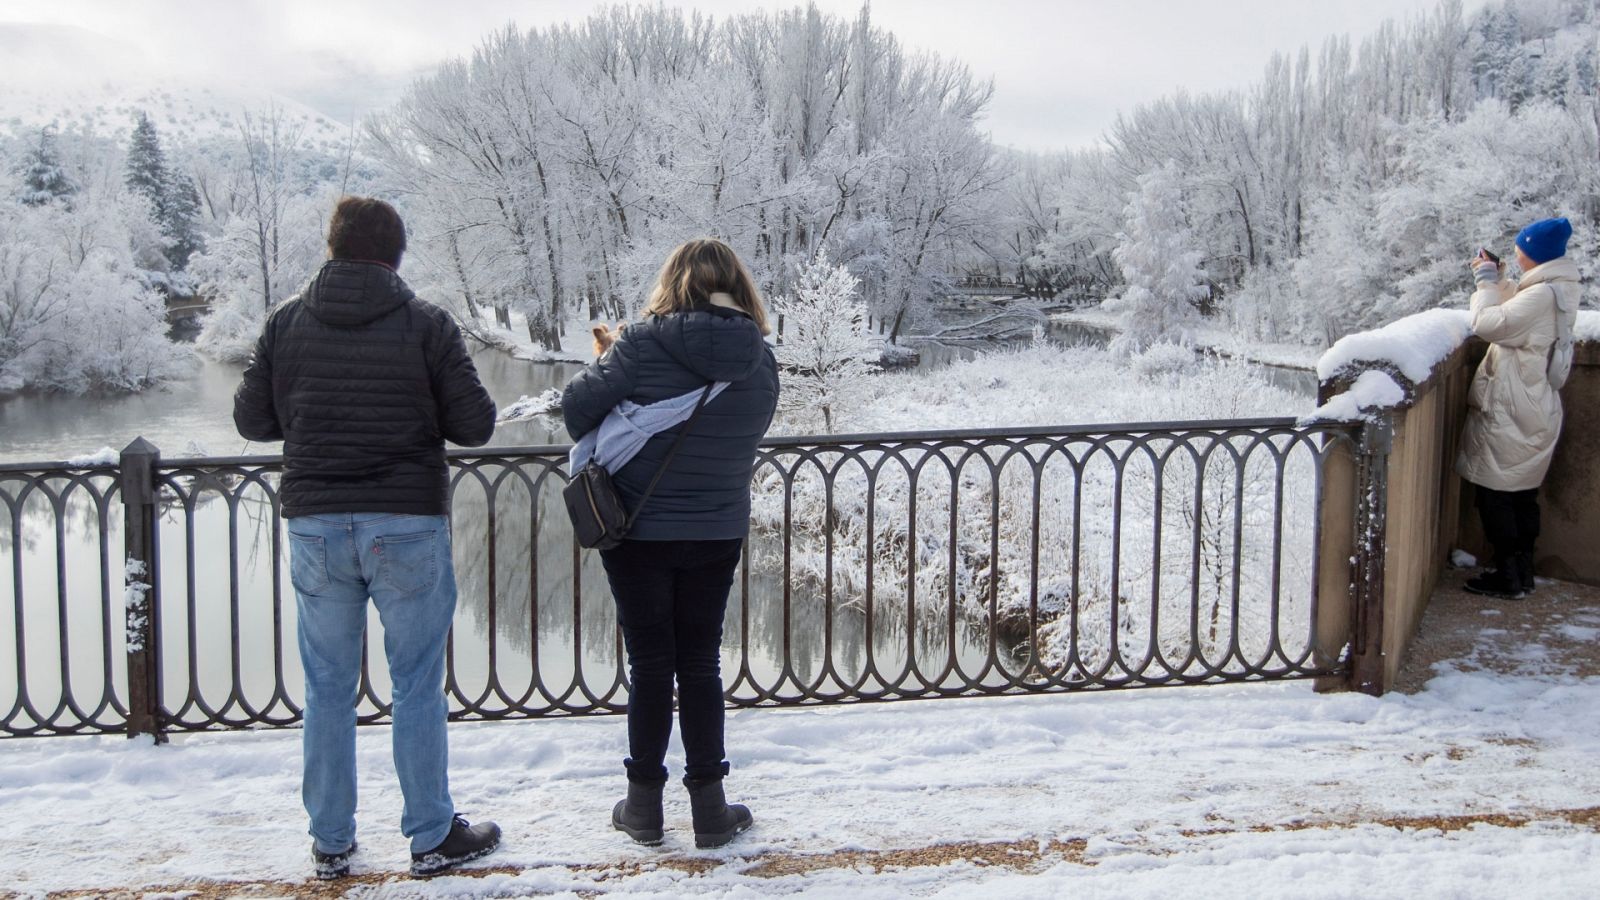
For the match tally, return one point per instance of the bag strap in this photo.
(662, 469)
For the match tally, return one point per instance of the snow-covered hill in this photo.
(77, 79)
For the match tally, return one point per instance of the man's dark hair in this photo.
(367, 228)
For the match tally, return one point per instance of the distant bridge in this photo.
(182, 308)
(994, 286)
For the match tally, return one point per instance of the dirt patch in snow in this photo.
(1020, 855)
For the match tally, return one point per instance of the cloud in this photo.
(1062, 68)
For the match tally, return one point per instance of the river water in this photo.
(526, 616)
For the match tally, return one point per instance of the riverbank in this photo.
(577, 344)
(1209, 337)
(1480, 784)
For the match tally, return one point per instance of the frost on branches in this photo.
(1160, 265)
(271, 232)
(76, 313)
(824, 351)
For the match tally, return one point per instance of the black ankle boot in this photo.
(715, 821)
(640, 814)
(1525, 571)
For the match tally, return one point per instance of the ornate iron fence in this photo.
(148, 596)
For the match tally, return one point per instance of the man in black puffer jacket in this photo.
(364, 383)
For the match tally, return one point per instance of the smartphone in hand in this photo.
(1484, 252)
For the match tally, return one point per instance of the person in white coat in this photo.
(1514, 408)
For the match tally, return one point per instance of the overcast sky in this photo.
(1062, 69)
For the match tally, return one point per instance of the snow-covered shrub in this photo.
(825, 352)
(1164, 362)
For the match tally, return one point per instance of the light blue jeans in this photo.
(337, 561)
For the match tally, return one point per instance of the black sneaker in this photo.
(332, 865)
(464, 842)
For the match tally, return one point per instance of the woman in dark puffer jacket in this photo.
(704, 323)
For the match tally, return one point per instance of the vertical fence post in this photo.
(138, 464)
(1371, 543)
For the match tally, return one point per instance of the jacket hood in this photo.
(1562, 269)
(717, 344)
(353, 292)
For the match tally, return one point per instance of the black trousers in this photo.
(1510, 520)
(671, 596)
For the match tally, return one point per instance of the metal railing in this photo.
(148, 596)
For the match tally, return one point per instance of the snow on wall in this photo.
(1588, 327)
(1414, 345)
(1374, 389)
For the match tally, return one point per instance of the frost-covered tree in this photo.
(1342, 189)
(75, 313)
(1160, 266)
(269, 238)
(147, 164)
(44, 181)
(824, 351)
(558, 166)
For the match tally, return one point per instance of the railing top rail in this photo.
(890, 438)
(24, 468)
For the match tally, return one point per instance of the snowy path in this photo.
(1483, 784)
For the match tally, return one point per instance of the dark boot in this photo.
(332, 865)
(640, 814)
(464, 842)
(1504, 581)
(715, 821)
(1525, 571)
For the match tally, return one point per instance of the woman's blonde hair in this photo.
(696, 270)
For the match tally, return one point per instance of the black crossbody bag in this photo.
(600, 521)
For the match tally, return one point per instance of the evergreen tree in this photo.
(147, 165)
(183, 214)
(174, 202)
(43, 179)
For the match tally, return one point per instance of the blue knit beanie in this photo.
(1545, 240)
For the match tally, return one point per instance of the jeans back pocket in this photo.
(308, 563)
(408, 563)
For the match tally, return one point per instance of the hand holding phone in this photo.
(1485, 267)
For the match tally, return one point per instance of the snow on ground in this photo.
(1482, 784)
(1045, 385)
(1210, 337)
